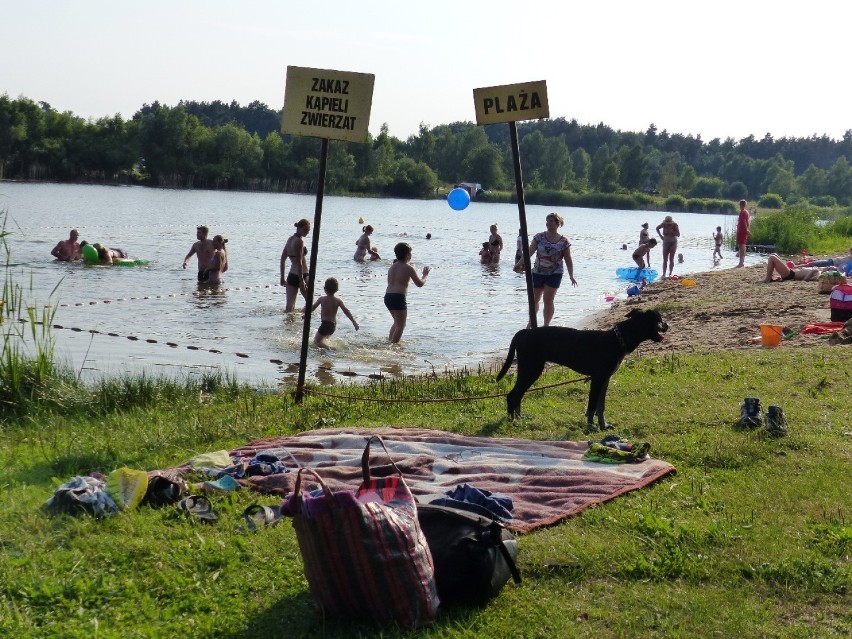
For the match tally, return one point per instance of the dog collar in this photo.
(620, 338)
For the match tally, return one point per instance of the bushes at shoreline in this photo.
(801, 227)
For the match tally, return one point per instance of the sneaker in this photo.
(751, 416)
(776, 423)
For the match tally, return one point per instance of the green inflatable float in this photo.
(90, 256)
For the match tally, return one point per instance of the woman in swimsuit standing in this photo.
(669, 236)
(364, 248)
(399, 274)
(496, 243)
(550, 249)
(219, 261)
(296, 251)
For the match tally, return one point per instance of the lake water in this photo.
(155, 318)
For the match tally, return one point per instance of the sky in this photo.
(722, 69)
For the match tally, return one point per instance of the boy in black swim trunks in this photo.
(399, 275)
(328, 313)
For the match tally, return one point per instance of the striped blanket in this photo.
(547, 480)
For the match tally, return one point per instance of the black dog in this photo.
(597, 354)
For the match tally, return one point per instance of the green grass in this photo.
(796, 228)
(751, 537)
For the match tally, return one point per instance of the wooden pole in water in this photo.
(522, 216)
(312, 270)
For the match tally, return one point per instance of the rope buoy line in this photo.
(193, 226)
(311, 391)
(134, 338)
(275, 290)
(279, 362)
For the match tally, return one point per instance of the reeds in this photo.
(27, 347)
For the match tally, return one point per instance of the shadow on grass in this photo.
(296, 616)
(64, 468)
(493, 427)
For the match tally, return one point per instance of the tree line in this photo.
(218, 145)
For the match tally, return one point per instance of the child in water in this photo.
(485, 253)
(328, 314)
(717, 238)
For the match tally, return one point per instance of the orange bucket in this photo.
(770, 334)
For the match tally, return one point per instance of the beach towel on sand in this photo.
(546, 480)
(821, 328)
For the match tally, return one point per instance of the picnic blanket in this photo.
(547, 480)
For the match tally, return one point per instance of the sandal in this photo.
(258, 516)
(163, 490)
(198, 507)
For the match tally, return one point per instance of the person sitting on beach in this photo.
(643, 250)
(68, 250)
(219, 261)
(784, 271)
(399, 275)
(202, 248)
(485, 253)
(717, 239)
(363, 247)
(328, 313)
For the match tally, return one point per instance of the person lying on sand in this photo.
(777, 266)
(841, 262)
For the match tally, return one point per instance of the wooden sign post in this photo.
(510, 103)
(331, 105)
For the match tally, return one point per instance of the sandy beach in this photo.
(724, 310)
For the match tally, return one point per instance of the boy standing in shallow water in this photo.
(399, 275)
(328, 314)
(717, 238)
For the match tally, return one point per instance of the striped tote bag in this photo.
(364, 554)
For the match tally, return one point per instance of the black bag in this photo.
(474, 556)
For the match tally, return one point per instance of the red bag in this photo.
(364, 553)
(840, 303)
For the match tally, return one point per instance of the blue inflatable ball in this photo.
(458, 199)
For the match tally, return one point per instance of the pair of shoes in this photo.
(259, 516)
(751, 416)
(198, 507)
(776, 423)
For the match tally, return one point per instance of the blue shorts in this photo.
(553, 280)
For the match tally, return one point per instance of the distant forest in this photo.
(218, 145)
